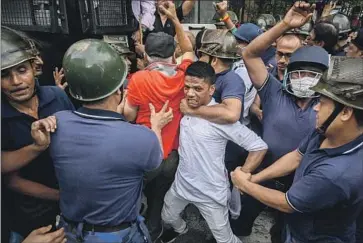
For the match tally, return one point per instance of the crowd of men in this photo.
(212, 120)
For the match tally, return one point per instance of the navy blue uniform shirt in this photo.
(27, 212)
(327, 192)
(100, 160)
(229, 85)
(284, 123)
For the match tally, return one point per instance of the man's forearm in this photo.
(184, 42)
(253, 160)
(264, 41)
(32, 189)
(272, 198)
(219, 114)
(158, 135)
(14, 160)
(282, 167)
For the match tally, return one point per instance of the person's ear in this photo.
(212, 89)
(346, 114)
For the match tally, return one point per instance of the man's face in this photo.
(17, 83)
(197, 91)
(323, 109)
(352, 51)
(284, 49)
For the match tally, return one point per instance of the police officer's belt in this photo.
(100, 228)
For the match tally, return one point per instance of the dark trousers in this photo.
(157, 184)
(359, 230)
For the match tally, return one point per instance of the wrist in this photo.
(156, 129)
(39, 148)
(225, 17)
(256, 178)
(246, 169)
(174, 19)
(285, 25)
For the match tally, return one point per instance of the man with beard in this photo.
(288, 114)
(30, 176)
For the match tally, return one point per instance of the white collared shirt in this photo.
(201, 174)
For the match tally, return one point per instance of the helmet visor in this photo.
(300, 82)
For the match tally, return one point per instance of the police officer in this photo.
(287, 108)
(28, 168)
(327, 194)
(344, 29)
(99, 158)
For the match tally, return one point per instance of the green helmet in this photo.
(343, 82)
(15, 48)
(219, 43)
(93, 69)
(121, 48)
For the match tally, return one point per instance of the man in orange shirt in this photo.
(159, 82)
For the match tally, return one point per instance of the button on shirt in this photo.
(327, 192)
(284, 123)
(100, 160)
(201, 175)
(29, 212)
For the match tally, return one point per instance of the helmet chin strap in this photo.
(338, 108)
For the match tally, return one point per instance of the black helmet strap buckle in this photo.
(338, 108)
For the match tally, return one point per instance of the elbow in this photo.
(246, 54)
(232, 117)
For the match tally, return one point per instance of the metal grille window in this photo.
(35, 15)
(107, 16)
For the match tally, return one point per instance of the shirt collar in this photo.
(223, 72)
(99, 114)
(44, 96)
(346, 148)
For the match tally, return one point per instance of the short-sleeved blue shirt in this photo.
(327, 192)
(229, 85)
(28, 212)
(284, 123)
(100, 160)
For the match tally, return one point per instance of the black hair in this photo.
(358, 116)
(202, 70)
(329, 33)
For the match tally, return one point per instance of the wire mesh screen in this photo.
(107, 16)
(33, 15)
(110, 12)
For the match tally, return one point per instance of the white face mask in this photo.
(301, 86)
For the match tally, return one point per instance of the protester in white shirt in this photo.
(201, 177)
